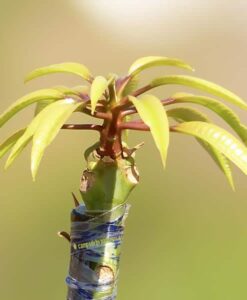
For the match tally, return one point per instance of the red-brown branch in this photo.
(82, 127)
(134, 125)
(128, 112)
(168, 101)
(97, 114)
(125, 101)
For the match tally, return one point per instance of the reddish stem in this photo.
(125, 101)
(82, 127)
(168, 101)
(97, 114)
(134, 125)
(128, 112)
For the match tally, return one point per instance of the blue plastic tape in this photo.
(95, 253)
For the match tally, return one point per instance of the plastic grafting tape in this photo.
(95, 253)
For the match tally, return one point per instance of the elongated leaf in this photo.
(184, 114)
(29, 99)
(131, 85)
(68, 67)
(99, 85)
(219, 108)
(9, 142)
(202, 85)
(23, 141)
(55, 115)
(154, 61)
(221, 161)
(219, 138)
(66, 91)
(153, 114)
(81, 89)
(41, 105)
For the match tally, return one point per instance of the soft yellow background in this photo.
(186, 236)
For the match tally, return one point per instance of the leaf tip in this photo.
(34, 173)
(28, 77)
(34, 168)
(7, 164)
(26, 80)
(232, 186)
(163, 159)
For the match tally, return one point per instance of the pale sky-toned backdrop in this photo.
(186, 236)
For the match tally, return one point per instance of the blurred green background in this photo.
(186, 235)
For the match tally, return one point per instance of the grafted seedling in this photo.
(111, 173)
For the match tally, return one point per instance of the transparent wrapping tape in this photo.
(95, 252)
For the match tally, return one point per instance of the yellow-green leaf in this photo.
(153, 61)
(66, 91)
(221, 161)
(9, 142)
(41, 105)
(219, 108)
(99, 85)
(81, 89)
(185, 114)
(68, 67)
(130, 86)
(23, 141)
(55, 115)
(219, 138)
(29, 99)
(153, 115)
(202, 85)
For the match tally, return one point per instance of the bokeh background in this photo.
(186, 235)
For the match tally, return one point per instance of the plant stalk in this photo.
(97, 228)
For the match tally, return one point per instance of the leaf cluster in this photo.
(115, 99)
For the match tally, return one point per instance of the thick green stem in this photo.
(107, 183)
(97, 228)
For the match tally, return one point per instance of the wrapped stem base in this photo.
(95, 253)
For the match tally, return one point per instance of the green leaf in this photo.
(66, 91)
(219, 138)
(99, 85)
(55, 115)
(153, 61)
(202, 85)
(23, 141)
(81, 89)
(41, 105)
(184, 114)
(29, 99)
(219, 108)
(131, 86)
(68, 67)
(153, 115)
(9, 142)
(221, 161)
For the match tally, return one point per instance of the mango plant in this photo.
(121, 105)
